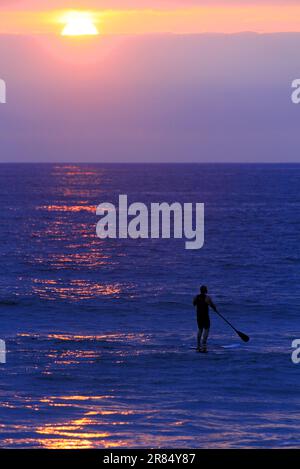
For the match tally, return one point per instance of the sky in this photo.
(155, 16)
(165, 80)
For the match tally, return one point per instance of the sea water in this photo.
(100, 333)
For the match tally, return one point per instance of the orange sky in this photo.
(264, 18)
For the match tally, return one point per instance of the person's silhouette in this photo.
(202, 302)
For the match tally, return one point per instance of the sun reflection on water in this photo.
(91, 259)
(88, 431)
(68, 208)
(51, 289)
(59, 350)
(73, 170)
(108, 337)
(102, 421)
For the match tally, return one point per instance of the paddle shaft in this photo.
(221, 315)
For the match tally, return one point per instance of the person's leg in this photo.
(205, 337)
(199, 335)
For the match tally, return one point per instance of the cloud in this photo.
(179, 98)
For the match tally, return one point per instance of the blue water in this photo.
(100, 334)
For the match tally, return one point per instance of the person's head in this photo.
(203, 289)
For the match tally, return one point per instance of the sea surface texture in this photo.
(100, 334)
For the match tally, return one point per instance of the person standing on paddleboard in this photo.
(203, 302)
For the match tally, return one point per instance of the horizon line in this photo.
(151, 162)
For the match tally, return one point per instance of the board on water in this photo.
(215, 347)
(231, 346)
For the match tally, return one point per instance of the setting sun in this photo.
(79, 24)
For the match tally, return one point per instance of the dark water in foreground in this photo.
(99, 333)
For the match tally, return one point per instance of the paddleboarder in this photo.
(203, 302)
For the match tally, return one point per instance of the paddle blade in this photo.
(243, 336)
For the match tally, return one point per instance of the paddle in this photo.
(243, 336)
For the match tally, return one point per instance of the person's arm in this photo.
(211, 304)
(195, 301)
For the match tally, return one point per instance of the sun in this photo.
(79, 24)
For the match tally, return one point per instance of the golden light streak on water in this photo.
(75, 290)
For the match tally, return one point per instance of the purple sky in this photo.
(158, 98)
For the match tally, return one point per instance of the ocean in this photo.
(100, 334)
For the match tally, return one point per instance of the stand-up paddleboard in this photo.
(231, 346)
(218, 348)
